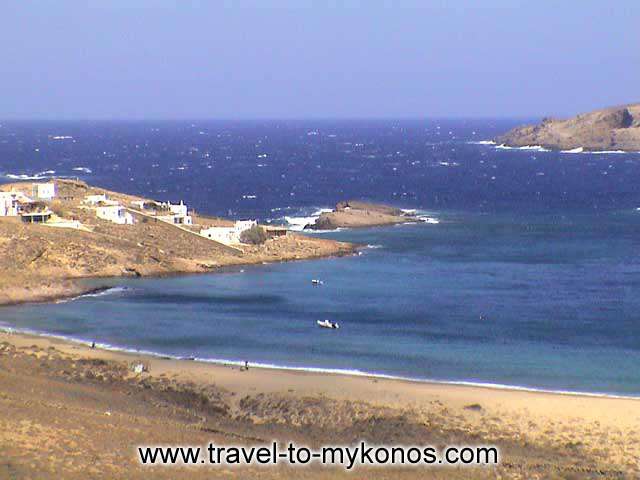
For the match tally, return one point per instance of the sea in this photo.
(524, 272)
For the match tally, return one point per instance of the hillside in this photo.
(38, 262)
(615, 128)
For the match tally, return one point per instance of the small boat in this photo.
(317, 282)
(327, 324)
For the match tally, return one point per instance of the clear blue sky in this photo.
(179, 59)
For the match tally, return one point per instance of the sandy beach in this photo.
(68, 411)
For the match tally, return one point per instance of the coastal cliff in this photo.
(42, 263)
(357, 214)
(615, 128)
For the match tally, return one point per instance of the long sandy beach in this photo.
(70, 411)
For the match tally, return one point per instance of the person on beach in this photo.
(246, 365)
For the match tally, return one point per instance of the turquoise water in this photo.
(537, 300)
(530, 279)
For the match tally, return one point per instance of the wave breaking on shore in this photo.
(309, 369)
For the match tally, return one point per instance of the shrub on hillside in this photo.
(254, 235)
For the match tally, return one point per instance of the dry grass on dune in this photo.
(69, 412)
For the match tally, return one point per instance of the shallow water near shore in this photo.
(530, 278)
(485, 299)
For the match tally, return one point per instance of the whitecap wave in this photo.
(297, 224)
(482, 142)
(608, 151)
(82, 169)
(25, 176)
(534, 148)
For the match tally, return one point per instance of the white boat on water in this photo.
(317, 282)
(327, 324)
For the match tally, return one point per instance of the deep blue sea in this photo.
(530, 278)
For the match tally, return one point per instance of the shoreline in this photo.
(72, 289)
(63, 390)
(221, 362)
(54, 262)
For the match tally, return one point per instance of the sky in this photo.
(160, 59)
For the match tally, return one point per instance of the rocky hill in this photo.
(615, 128)
(356, 214)
(39, 263)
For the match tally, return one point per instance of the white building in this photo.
(114, 213)
(44, 191)
(179, 214)
(178, 209)
(95, 199)
(9, 204)
(228, 235)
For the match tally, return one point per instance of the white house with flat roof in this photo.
(13, 203)
(114, 213)
(44, 191)
(9, 204)
(228, 235)
(95, 199)
(179, 214)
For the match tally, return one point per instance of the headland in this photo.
(78, 231)
(609, 129)
(358, 214)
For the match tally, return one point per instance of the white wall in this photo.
(115, 213)
(8, 204)
(45, 191)
(93, 199)
(228, 235)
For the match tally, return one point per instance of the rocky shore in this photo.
(357, 214)
(41, 263)
(609, 129)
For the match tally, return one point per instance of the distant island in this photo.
(357, 214)
(609, 129)
(54, 233)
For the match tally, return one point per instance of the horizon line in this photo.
(266, 119)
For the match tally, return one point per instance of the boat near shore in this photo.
(327, 324)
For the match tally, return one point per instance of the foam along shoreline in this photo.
(356, 215)
(480, 414)
(607, 129)
(97, 388)
(28, 333)
(541, 148)
(297, 223)
(528, 148)
(594, 152)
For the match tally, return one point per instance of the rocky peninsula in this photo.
(610, 129)
(357, 214)
(41, 263)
